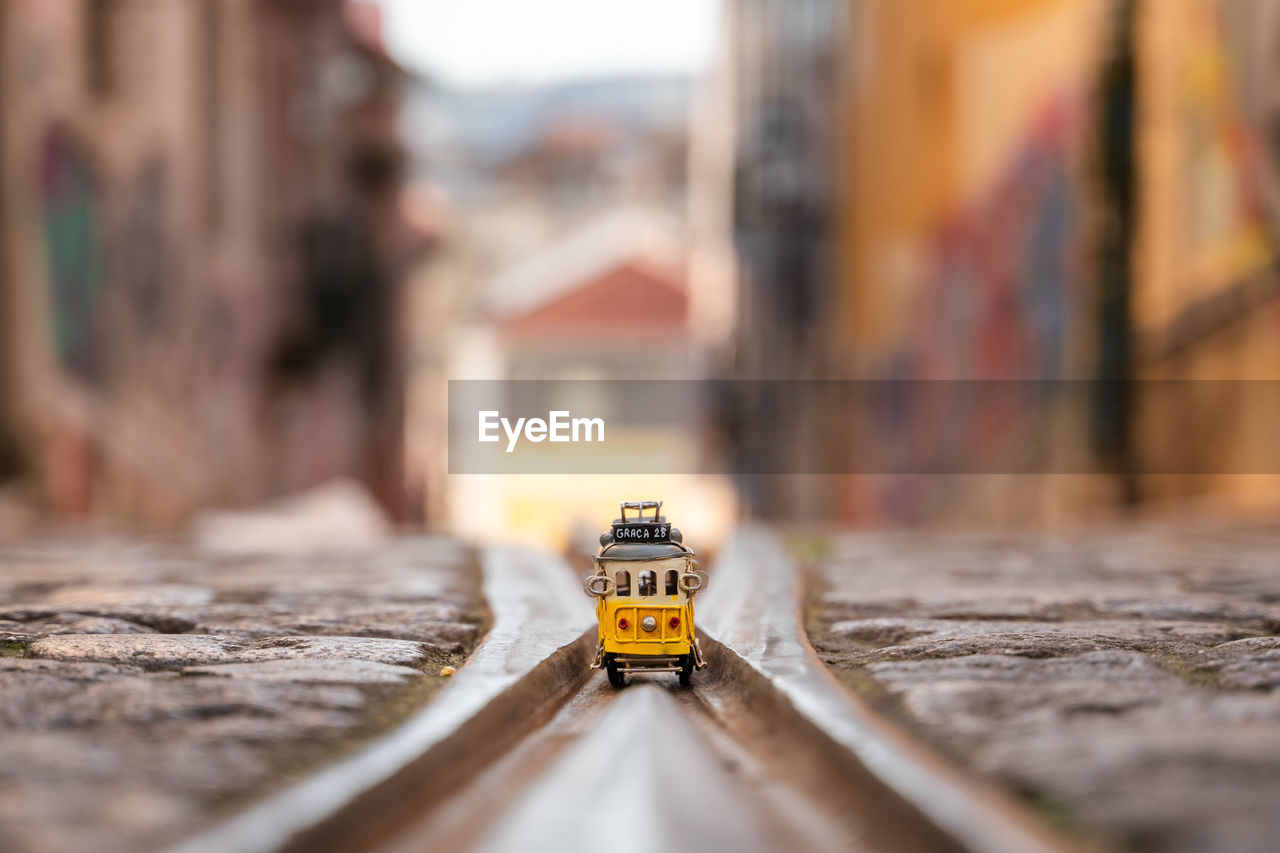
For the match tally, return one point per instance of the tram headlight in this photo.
(649, 623)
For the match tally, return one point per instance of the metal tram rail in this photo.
(529, 749)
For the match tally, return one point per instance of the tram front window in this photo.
(623, 582)
(648, 583)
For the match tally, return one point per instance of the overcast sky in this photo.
(499, 42)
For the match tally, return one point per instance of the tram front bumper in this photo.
(648, 663)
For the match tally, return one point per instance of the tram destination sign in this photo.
(641, 531)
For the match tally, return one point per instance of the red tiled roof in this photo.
(630, 296)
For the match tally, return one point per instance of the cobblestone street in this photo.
(148, 687)
(1124, 679)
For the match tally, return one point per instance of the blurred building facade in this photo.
(1005, 190)
(201, 241)
(1204, 301)
(963, 230)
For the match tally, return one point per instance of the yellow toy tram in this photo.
(644, 583)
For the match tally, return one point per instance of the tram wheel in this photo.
(616, 676)
(686, 670)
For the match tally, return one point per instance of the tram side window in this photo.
(648, 582)
(623, 581)
(672, 587)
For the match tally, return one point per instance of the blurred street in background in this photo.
(246, 244)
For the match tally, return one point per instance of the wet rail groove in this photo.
(653, 766)
(761, 753)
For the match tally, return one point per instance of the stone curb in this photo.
(534, 655)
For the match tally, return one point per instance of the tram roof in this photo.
(636, 551)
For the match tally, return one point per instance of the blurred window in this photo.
(648, 582)
(99, 46)
(672, 582)
(623, 581)
(211, 109)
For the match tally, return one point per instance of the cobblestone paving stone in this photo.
(146, 688)
(1125, 680)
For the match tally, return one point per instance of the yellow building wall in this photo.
(1203, 264)
(940, 100)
